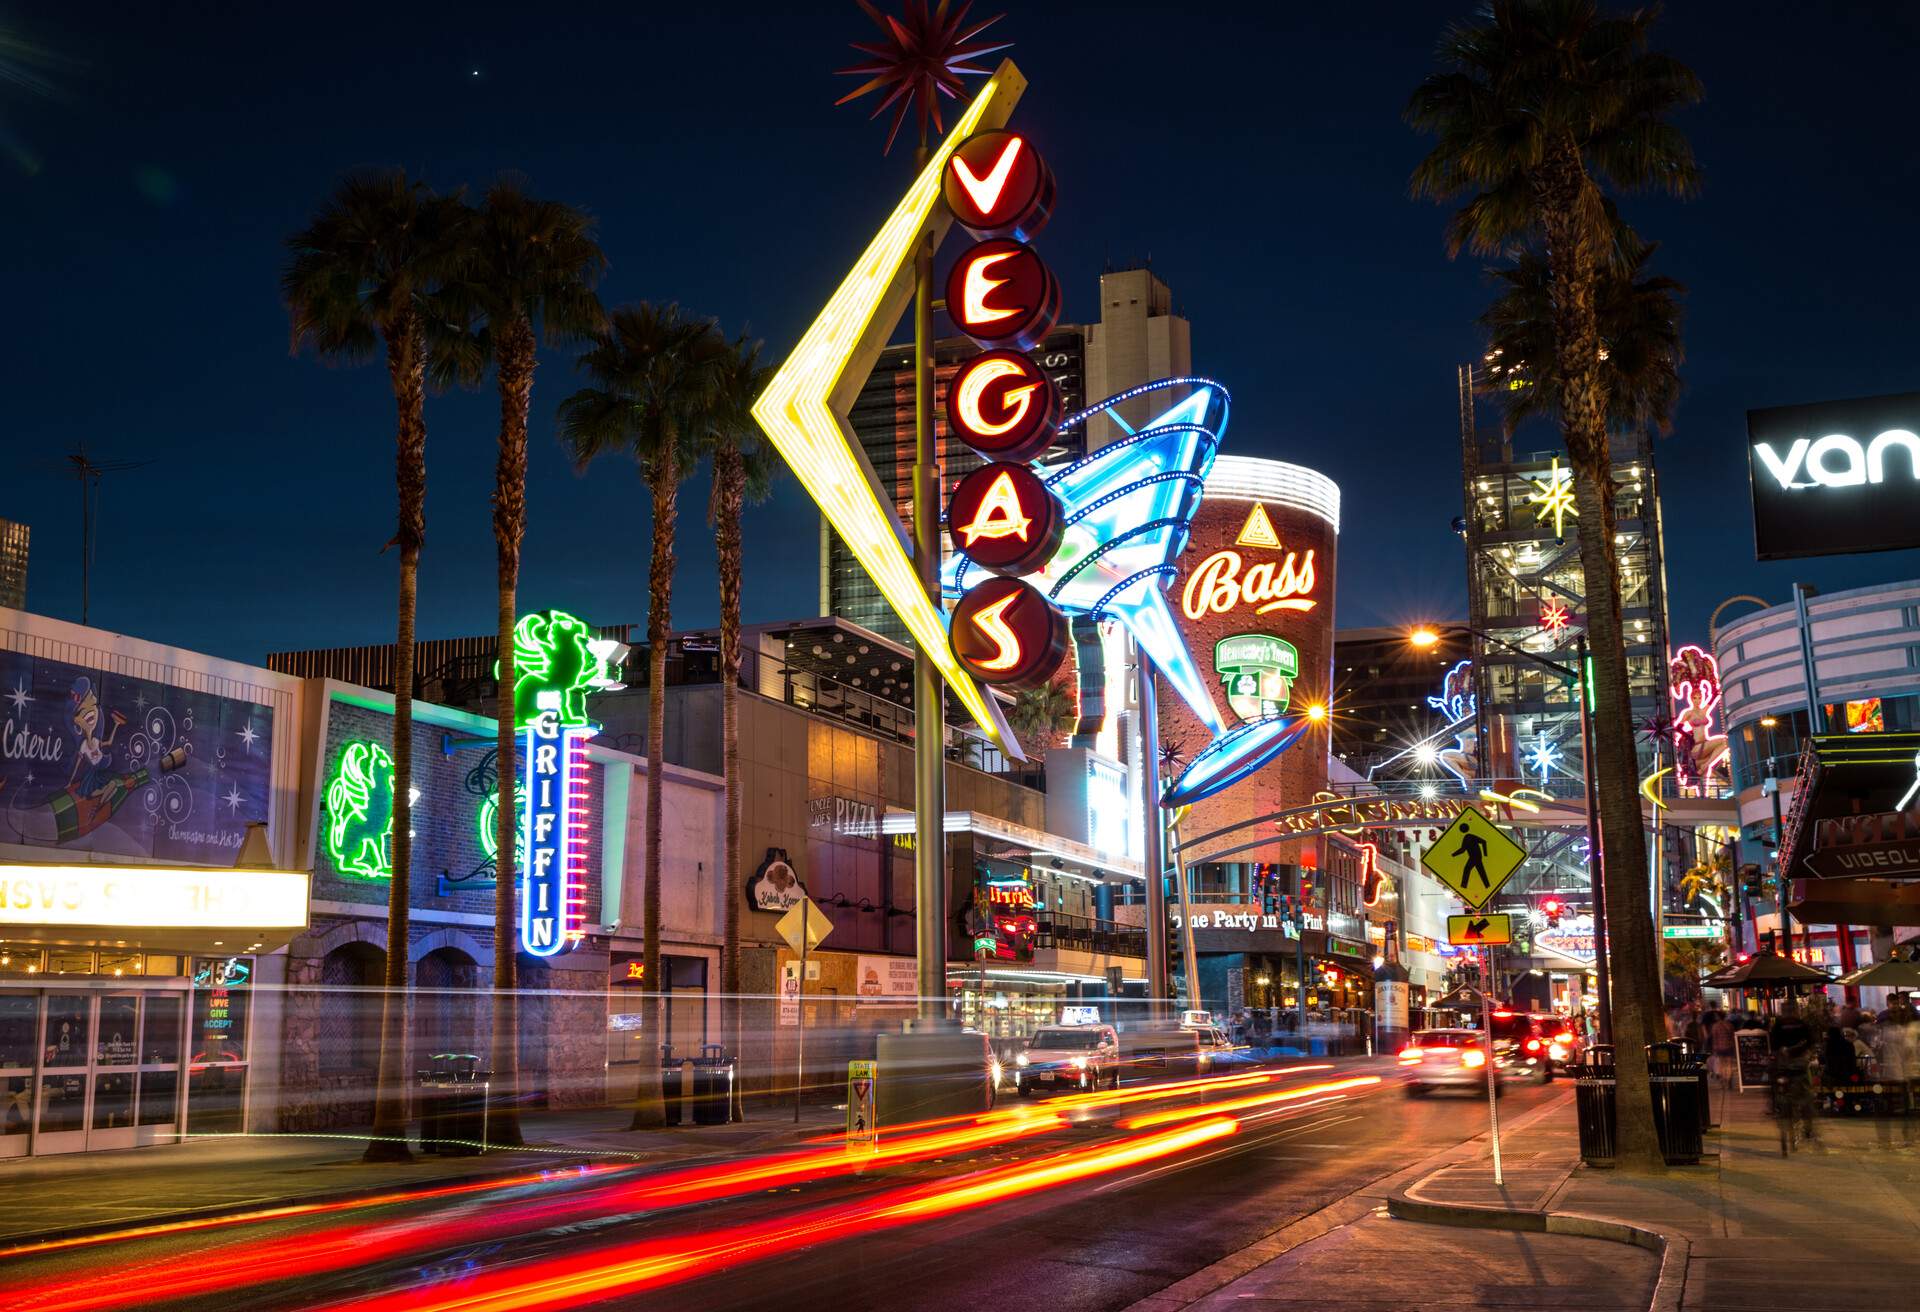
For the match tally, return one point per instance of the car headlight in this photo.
(1080, 1062)
(1022, 1060)
(994, 1072)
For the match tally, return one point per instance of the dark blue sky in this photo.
(1255, 152)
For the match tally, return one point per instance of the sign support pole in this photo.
(1493, 1069)
(929, 700)
(800, 1037)
(1152, 834)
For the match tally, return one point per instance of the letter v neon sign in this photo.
(985, 192)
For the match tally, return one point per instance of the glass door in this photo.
(163, 1019)
(19, 1041)
(66, 1047)
(116, 1028)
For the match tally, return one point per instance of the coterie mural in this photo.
(100, 762)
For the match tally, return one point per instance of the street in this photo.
(1087, 1201)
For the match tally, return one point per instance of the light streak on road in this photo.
(338, 1247)
(629, 1268)
(1253, 1102)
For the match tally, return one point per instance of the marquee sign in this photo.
(1834, 477)
(557, 661)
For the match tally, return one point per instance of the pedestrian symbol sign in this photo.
(1474, 857)
(1480, 929)
(860, 1102)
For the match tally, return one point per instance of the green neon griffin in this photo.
(360, 811)
(556, 662)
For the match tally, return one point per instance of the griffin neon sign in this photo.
(359, 828)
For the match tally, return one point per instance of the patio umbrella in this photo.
(1766, 970)
(1885, 975)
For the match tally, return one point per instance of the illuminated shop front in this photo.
(148, 797)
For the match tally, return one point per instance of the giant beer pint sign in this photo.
(1837, 477)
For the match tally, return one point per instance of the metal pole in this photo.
(1781, 884)
(1493, 1069)
(1595, 864)
(800, 1038)
(1187, 955)
(1300, 942)
(1152, 857)
(929, 701)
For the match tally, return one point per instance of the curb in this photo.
(1672, 1250)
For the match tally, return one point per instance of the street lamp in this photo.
(1424, 637)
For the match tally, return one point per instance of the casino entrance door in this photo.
(90, 1066)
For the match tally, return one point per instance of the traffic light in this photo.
(1752, 880)
(1550, 908)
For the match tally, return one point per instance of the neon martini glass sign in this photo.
(1128, 510)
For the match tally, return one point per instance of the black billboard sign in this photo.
(1835, 477)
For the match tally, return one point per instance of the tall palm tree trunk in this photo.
(729, 496)
(515, 358)
(406, 367)
(648, 1110)
(1565, 199)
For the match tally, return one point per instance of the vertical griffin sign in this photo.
(557, 661)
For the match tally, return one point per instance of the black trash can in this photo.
(1594, 1106)
(712, 1086)
(453, 1105)
(673, 1083)
(1675, 1086)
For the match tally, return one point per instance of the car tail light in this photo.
(1533, 1045)
(1411, 1054)
(1557, 1052)
(1564, 1037)
(1471, 1057)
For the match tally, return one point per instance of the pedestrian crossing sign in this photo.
(1473, 857)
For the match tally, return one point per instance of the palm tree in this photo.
(744, 467)
(655, 377)
(527, 272)
(362, 276)
(1039, 715)
(1538, 103)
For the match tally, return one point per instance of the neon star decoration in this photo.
(1553, 495)
(1554, 618)
(1543, 757)
(804, 408)
(1127, 511)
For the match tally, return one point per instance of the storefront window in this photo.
(118, 1016)
(112, 1101)
(69, 961)
(63, 1103)
(19, 1019)
(159, 1097)
(120, 964)
(66, 1037)
(160, 1040)
(21, 959)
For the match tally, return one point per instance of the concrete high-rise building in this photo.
(13, 564)
(1138, 338)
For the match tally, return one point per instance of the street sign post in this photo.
(862, 1126)
(1480, 929)
(1474, 857)
(1693, 929)
(1492, 1068)
(804, 927)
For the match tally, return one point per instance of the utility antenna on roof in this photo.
(89, 471)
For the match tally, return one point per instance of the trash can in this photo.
(1675, 1086)
(673, 1083)
(712, 1086)
(1594, 1106)
(453, 1105)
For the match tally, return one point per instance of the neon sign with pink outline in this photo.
(1699, 747)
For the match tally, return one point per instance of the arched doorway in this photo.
(348, 1048)
(446, 1007)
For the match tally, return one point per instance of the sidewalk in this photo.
(1830, 1229)
(1354, 1257)
(207, 1176)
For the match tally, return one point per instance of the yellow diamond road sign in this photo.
(804, 926)
(1474, 857)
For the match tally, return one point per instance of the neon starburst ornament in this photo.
(1554, 618)
(1553, 495)
(1543, 757)
(1127, 510)
(921, 56)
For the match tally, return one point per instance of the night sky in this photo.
(1254, 152)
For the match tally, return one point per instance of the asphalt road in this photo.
(1101, 1242)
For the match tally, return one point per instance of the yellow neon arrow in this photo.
(1652, 782)
(804, 409)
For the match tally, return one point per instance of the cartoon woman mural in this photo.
(95, 790)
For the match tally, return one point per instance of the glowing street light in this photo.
(1423, 638)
